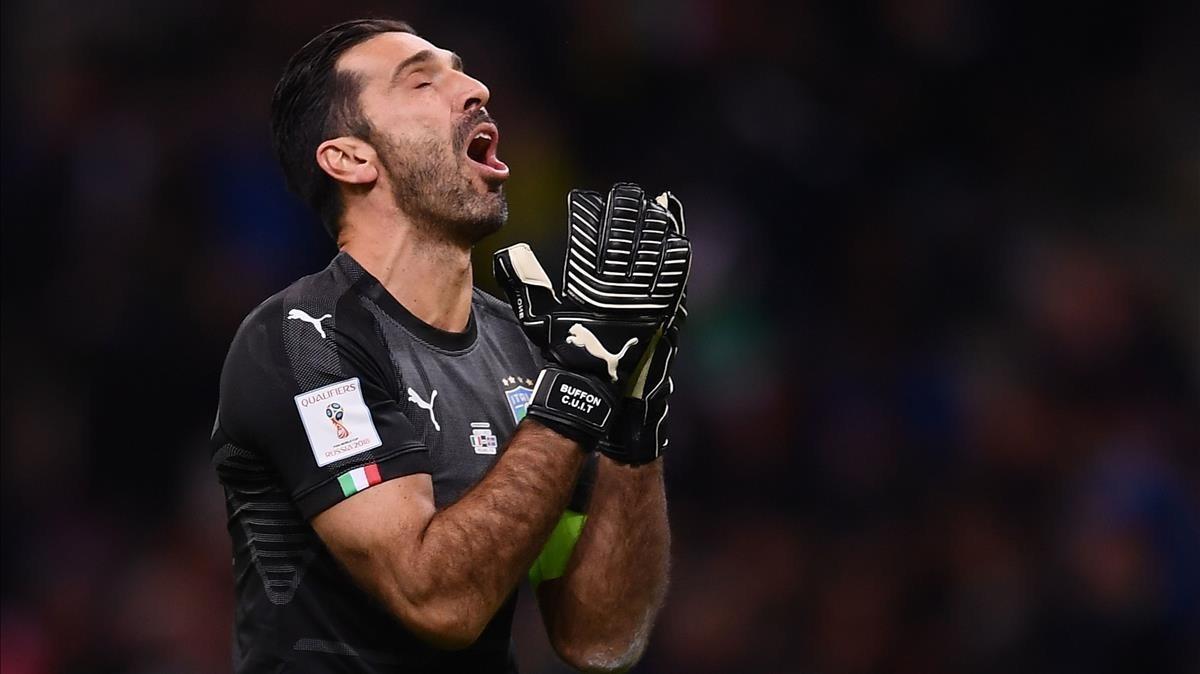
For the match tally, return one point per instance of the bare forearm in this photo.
(473, 553)
(599, 614)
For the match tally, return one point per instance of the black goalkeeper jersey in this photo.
(330, 387)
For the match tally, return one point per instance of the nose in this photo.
(475, 94)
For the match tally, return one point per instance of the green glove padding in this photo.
(552, 563)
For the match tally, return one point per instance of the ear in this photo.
(348, 160)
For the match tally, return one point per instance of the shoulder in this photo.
(314, 333)
(317, 320)
(307, 299)
(314, 304)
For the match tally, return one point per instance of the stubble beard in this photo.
(429, 185)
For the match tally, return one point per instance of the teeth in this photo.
(484, 135)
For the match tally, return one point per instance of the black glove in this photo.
(623, 278)
(638, 435)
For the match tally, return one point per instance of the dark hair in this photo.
(312, 103)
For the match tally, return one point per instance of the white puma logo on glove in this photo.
(414, 398)
(584, 339)
(298, 315)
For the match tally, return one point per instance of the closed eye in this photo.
(424, 84)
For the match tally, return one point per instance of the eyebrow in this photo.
(425, 56)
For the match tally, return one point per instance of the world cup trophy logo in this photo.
(334, 412)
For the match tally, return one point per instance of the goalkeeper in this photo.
(398, 450)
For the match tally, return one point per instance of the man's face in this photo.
(435, 141)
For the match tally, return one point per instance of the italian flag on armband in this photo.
(359, 479)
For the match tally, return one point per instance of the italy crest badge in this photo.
(518, 391)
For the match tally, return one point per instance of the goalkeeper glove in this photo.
(639, 432)
(623, 279)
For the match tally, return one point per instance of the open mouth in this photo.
(481, 150)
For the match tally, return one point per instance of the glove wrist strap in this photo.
(577, 406)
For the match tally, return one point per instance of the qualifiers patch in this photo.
(518, 396)
(337, 421)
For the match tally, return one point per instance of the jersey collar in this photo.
(370, 287)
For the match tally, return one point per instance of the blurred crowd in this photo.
(937, 407)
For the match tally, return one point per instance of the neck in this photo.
(430, 277)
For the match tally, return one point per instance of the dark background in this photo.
(937, 407)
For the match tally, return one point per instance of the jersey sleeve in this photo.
(321, 406)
